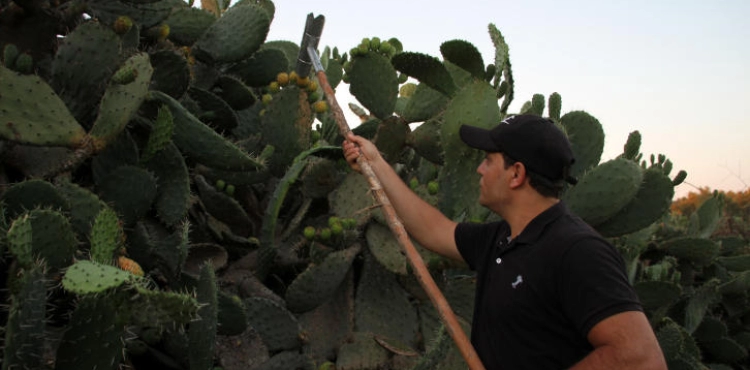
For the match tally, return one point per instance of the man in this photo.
(551, 293)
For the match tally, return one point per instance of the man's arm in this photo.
(623, 341)
(422, 221)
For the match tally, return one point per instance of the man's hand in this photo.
(354, 146)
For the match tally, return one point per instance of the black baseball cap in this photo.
(532, 140)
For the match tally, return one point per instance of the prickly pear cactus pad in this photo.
(319, 282)
(24, 332)
(427, 69)
(90, 277)
(604, 190)
(279, 329)
(374, 83)
(651, 202)
(236, 35)
(586, 138)
(33, 114)
(475, 105)
(465, 55)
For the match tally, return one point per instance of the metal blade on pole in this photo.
(313, 30)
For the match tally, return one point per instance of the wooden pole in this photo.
(394, 223)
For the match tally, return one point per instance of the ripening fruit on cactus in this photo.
(303, 82)
(325, 234)
(413, 183)
(313, 97)
(25, 64)
(375, 43)
(123, 24)
(293, 77)
(312, 87)
(274, 87)
(230, 190)
(309, 233)
(432, 187)
(220, 184)
(267, 99)
(337, 229)
(333, 220)
(387, 49)
(320, 106)
(124, 76)
(126, 264)
(282, 78)
(349, 223)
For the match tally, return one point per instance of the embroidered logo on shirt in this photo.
(519, 280)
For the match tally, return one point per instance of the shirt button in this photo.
(499, 260)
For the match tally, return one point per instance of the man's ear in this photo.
(518, 176)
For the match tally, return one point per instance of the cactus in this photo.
(116, 138)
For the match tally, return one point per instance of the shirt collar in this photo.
(534, 229)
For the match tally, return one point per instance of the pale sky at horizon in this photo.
(672, 70)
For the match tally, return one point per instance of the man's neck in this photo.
(520, 214)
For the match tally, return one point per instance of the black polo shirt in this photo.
(539, 294)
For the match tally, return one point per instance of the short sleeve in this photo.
(594, 285)
(473, 240)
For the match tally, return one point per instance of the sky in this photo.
(676, 71)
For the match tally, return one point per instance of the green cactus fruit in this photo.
(124, 76)
(10, 53)
(203, 144)
(161, 134)
(122, 25)
(432, 187)
(202, 332)
(413, 183)
(121, 102)
(106, 236)
(650, 203)
(309, 232)
(33, 114)
(555, 106)
(632, 146)
(235, 36)
(87, 277)
(605, 190)
(337, 230)
(97, 325)
(325, 234)
(374, 82)
(407, 90)
(222, 206)
(427, 69)
(25, 328)
(220, 185)
(586, 138)
(24, 64)
(318, 283)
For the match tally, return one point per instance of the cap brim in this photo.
(477, 138)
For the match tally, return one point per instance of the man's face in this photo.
(494, 182)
